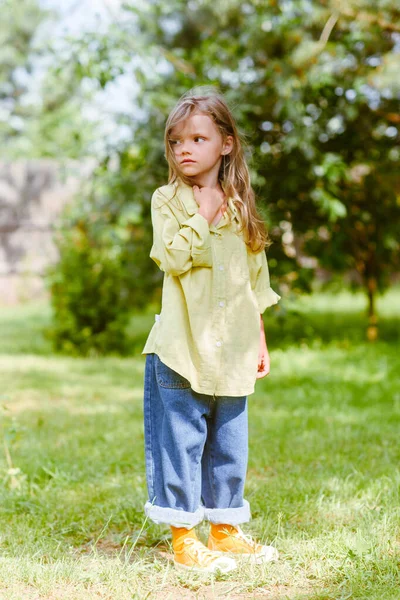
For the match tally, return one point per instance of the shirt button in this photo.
(221, 267)
(222, 303)
(218, 344)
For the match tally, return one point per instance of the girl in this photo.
(207, 347)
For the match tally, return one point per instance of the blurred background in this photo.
(85, 89)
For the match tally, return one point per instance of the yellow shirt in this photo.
(214, 291)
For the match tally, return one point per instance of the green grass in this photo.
(323, 480)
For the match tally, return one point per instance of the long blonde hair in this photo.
(234, 175)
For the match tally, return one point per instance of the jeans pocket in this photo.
(168, 378)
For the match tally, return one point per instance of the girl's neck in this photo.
(208, 180)
(218, 187)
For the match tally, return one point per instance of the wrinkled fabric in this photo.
(196, 449)
(214, 291)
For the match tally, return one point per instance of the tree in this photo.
(18, 25)
(313, 86)
(41, 99)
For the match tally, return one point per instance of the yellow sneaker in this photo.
(230, 539)
(196, 557)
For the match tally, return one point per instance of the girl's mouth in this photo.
(187, 160)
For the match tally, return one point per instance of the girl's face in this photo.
(198, 146)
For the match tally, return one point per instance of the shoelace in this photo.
(201, 552)
(246, 538)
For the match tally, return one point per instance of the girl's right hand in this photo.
(209, 200)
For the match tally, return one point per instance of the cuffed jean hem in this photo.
(229, 516)
(173, 516)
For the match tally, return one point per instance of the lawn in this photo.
(323, 478)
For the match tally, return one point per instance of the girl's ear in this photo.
(228, 145)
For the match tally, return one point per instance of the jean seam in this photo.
(173, 387)
(194, 483)
(211, 471)
(149, 444)
(210, 466)
(198, 461)
(165, 384)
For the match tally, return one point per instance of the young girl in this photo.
(207, 347)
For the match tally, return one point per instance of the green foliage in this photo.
(50, 122)
(313, 86)
(18, 26)
(314, 89)
(323, 478)
(103, 271)
(88, 292)
(121, 202)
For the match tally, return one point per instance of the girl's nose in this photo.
(184, 148)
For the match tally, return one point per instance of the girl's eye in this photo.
(198, 138)
(174, 142)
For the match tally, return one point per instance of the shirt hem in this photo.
(198, 389)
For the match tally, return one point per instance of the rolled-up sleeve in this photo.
(265, 295)
(177, 247)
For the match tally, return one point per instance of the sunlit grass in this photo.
(323, 479)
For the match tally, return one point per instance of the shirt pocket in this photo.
(239, 265)
(168, 378)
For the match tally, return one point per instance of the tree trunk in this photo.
(372, 329)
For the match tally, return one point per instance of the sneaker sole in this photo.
(205, 570)
(255, 559)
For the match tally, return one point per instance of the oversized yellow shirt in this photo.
(214, 291)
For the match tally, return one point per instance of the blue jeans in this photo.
(196, 451)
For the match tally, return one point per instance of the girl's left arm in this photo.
(263, 354)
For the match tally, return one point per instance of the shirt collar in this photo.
(186, 196)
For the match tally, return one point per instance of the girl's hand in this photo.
(263, 363)
(263, 354)
(209, 200)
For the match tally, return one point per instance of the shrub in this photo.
(89, 293)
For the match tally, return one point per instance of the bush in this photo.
(104, 271)
(89, 293)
